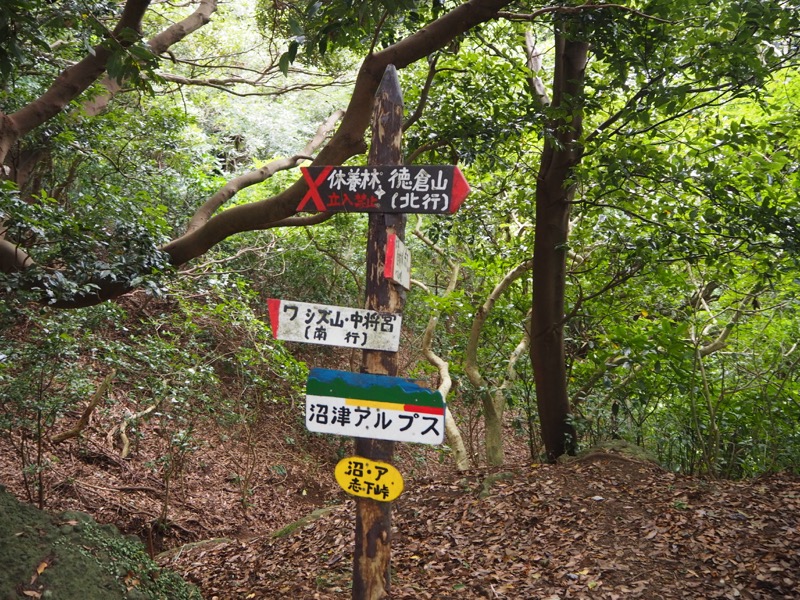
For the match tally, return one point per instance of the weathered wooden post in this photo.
(374, 406)
(371, 558)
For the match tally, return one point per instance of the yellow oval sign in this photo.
(367, 478)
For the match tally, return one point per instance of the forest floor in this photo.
(256, 513)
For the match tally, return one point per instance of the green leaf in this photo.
(293, 46)
(295, 27)
(283, 63)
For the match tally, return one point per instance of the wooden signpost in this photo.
(372, 550)
(334, 325)
(375, 406)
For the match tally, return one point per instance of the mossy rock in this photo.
(302, 522)
(71, 557)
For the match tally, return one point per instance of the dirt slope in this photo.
(603, 527)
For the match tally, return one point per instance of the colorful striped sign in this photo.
(373, 406)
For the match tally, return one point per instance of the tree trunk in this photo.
(562, 152)
(372, 551)
(494, 403)
(454, 438)
(493, 434)
(493, 400)
(456, 442)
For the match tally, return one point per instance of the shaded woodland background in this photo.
(624, 270)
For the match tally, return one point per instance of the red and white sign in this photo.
(398, 262)
(334, 325)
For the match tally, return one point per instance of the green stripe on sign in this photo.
(365, 386)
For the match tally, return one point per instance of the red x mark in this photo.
(313, 192)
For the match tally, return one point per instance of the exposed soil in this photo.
(255, 513)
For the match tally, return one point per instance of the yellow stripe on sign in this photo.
(374, 404)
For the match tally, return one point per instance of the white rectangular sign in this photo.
(359, 418)
(334, 325)
(398, 262)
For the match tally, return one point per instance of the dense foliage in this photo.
(681, 321)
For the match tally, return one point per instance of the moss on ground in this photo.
(71, 557)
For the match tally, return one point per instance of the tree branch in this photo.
(433, 145)
(158, 44)
(237, 184)
(332, 255)
(12, 258)
(722, 338)
(621, 276)
(227, 259)
(471, 367)
(222, 84)
(534, 60)
(568, 10)
(454, 438)
(87, 413)
(72, 82)
(430, 243)
(424, 94)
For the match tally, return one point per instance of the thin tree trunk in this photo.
(562, 152)
(454, 439)
(493, 400)
(493, 433)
